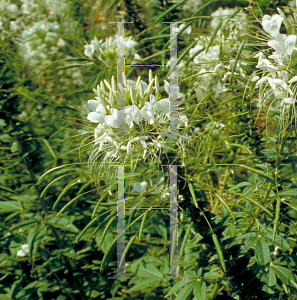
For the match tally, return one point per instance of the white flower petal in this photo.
(294, 79)
(92, 104)
(290, 44)
(95, 118)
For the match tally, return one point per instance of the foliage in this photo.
(236, 174)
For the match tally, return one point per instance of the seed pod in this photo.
(219, 251)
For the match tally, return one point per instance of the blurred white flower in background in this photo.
(139, 187)
(24, 251)
(188, 30)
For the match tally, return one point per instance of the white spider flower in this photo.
(148, 110)
(288, 101)
(89, 50)
(255, 78)
(266, 64)
(278, 82)
(24, 251)
(272, 24)
(127, 42)
(283, 45)
(139, 187)
(262, 80)
(188, 30)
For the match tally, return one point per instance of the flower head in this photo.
(272, 24)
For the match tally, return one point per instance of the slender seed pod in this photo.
(219, 251)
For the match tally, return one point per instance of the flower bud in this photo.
(157, 87)
(150, 87)
(111, 98)
(132, 94)
(113, 84)
(150, 75)
(107, 84)
(141, 91)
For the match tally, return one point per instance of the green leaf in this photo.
(288, 193)
(279, 241)
(259, 205)
(79, 236)
(143, 284)
(191, 274)
(211, 275)
(262, 252)
(193, 194)
(169, 10)
(146, 271)
(200, 290)
(14, 147)
(178, 286)
(284, 274)
(9, 206)
(271, 277)
(239, 185)
(183, 245)
(108, 254)
(185, 292)
(34, 238)
(63, 223)
(225, 205)
(252, 170)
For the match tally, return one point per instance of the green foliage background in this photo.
(43, 164)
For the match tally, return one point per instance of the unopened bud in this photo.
(157, 87)
(113, 84)
(141, 93)
(133, 96)
(150, 75)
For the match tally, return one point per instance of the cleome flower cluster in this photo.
(276, 84)
(146, 114)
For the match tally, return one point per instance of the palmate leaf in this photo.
(199, 290)
(9, 206)
(262, 252)
(34, 238)
(143, 284)
(179, 285)
(185, 292)
(271, 278)
(284, 274)
(146, 271)
(279, 241)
